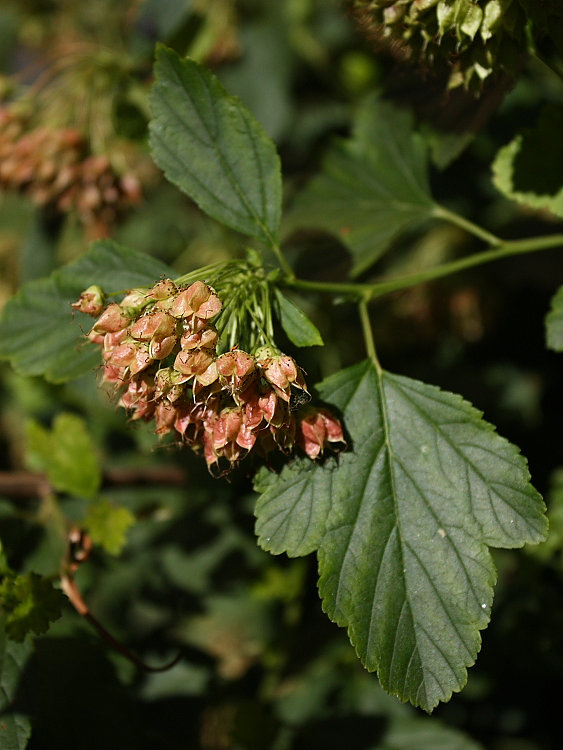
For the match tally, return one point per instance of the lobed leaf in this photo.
(15, 728)
(30, 603)
(66, 454)
(422, 733)
(211, 147)
(108, 525)
(297, 326)
(36, 334)
(292, 509)
(402, 523)
(372, 187)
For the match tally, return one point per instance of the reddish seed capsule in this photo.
(111, 340)
(208, 376)
(198, 300)
(114, 374)
(316, 429)
(236, 369)
(282, 372)
(122, 355)
(193, 362)
(164, 417)
(96, 338)
(226, 428)
(141, 360)
(204, 339)
(163, 290)
(91, 301)
(246, 437)
(139, 398)
(112, 319)
(161, 348)
(153, 324)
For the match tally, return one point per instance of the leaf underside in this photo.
(401, 522)
(527, 169)
(211, 147)
(36, 330)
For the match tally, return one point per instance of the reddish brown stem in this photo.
(71, 590)
(27, 484)
(23, 484)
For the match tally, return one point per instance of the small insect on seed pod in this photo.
(282, 372)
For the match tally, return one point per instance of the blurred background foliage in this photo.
(260, 665)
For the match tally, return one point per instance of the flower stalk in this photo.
(372, 290)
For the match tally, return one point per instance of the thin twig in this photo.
(28, 484)
(71, 590)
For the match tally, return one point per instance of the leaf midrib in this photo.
(390, 457)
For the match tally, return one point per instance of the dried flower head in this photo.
(160, 353)
(54, 168)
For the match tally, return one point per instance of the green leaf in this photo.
(554, 323)
(212, 148)
(262, 76)
(108, 525)
(406, 733)
(39, 333)
(297, 326)
(15, 729)
(293, 507)
(66, 454)
(527, 170)
(402, 523)
(30, 603)
(372, 187)
(4, 567)
(492, 18)
(166, 15)
(460, 17)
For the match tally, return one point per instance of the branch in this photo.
(71, 590)
(79, 546)
(379, 288)
(17, 484)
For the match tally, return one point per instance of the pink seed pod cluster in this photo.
(54, 168)
(160, 352)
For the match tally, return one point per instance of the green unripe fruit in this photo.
(472, 37)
